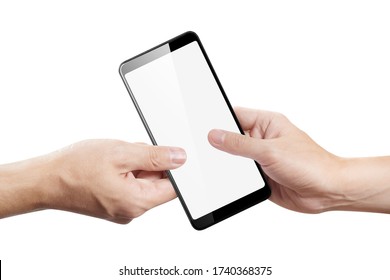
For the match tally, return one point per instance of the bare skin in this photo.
(303, 176)
(108, 179)
(119, 181)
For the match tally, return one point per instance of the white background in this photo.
(325, 64)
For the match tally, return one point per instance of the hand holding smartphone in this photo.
(180, 99)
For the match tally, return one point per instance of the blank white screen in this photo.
(181, 103)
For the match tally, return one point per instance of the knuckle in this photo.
(237, 141)
(155, 160)
(280, 117)
(117, 155)
(134, 213)
(122, 220)
(124, 214)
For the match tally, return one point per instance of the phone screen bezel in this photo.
(161, 50)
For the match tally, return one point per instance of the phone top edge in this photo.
(157, 51)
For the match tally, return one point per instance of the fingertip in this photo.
(216, 137)
(177, 155)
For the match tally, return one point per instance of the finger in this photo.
(258, 122)
(246, 117)
(153, 158)
(157, 192)
(250, 118)
(150, 175)
(238, 144)
(141, 143)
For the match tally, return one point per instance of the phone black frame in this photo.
(154, 53)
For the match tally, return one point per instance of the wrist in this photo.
(47, 183)
(343, 194)
(332, 193)
(25, 186)
(364, 184)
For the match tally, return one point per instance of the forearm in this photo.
(25, 186)
(365, 184)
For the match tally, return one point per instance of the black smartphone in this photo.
(180, 99)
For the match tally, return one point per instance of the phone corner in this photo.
(267, 191)
(192, 34)
(198, 227)
(120, 68)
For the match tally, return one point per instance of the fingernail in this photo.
(217, 136)
(178, 155)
